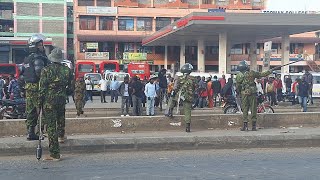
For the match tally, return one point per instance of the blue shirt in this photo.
(150, 90)
(114, 85)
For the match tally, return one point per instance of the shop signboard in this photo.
(134, 56)
(125, 61)
(97, 55)
(292, 57)
(101, 10)
(92, 45)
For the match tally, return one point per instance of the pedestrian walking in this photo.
(163, 85)
(216, 86)
(248, 90)
(150, 91)
(79, 95)
(124, 91)
(14, 89)
(33, 64)
(1, 86)
(54, 86)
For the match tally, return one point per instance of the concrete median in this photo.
(104, 125)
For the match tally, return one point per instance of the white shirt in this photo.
(103, 85)
(259, 88)
(150, 90)
(126, 90)
(88, 84)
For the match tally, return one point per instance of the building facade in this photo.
(114, 29)
(22, 18)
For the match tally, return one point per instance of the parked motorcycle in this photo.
(12, 109)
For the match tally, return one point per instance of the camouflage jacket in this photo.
(186, 85)
(79, 89)
(55, 83)
(245, 81)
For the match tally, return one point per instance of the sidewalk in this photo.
(172, 140)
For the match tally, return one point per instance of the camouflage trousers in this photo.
(249, 102)
(55, 120)
(32, 105)
(187, 111)
(79, 106)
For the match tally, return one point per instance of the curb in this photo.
(100, 145)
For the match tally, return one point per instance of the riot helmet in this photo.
(34, 40)
(186, 69)
(243, 66)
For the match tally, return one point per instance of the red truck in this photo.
(141, 70)
(109, 66)
(84, 67)
(9, 69)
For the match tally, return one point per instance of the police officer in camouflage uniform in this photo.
(79, 95)
(31, 71)
(246, 86)
(183, 90)
(55, 85)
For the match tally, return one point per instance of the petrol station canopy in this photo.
(239, 27)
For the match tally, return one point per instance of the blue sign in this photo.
(216, 10)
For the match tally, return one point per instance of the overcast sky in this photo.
(293, 5)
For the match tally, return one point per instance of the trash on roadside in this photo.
(175, 124)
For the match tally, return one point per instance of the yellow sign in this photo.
(92, 45)
(134, 56)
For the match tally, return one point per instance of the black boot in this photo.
(169, 114)
(254, 126)
(245, 127)
(188, 127)
(31, 134)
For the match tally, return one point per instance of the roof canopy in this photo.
(240, 28)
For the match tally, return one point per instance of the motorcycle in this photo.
(13, 109)
(262, 107)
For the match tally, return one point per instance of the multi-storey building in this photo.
(109, 29)
(22, 18)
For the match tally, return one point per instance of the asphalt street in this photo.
(177, 165)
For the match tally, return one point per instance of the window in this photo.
(125, 24)
(144, 24)
(83, 48)
(128, 47)
(234, 68)
(144, 49)
(70, 44)
(237, 49)
(106, 3)
(106, 23)
(274, 48)
(87, 23)
(213, 49)
(162, 22)
(86, 68)
(85, 2)
(70, 11)
(159, 50)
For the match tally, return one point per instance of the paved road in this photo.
(223, 164)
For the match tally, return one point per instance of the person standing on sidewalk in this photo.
(124, 91)
(248, 90)
(114, 86)
(186, 85)
(216, 86)
(54, 86)
(103, 89)
(278, 85)
(309, 79)
(79, 95)
(163, 85)
(150, 91)
(303, 93)
(1, 87)
(137, 95)
(89, 88)
(31, 72)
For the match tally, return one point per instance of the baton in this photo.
(39, 148)
(178, 103)
(285, 65)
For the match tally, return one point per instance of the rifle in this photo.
(285, 65)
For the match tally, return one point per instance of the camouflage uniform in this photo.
(79, 93)
(248, 90)
(186, 85)
(55, 83)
